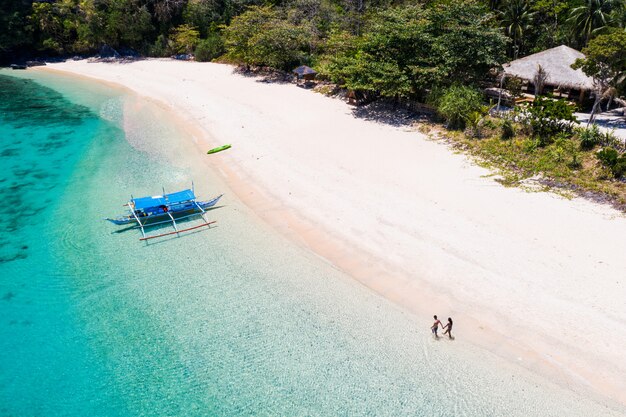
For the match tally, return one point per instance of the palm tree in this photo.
(618, 16)
(517, 19)
(494, 5)
(592, 17)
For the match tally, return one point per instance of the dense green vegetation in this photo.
(309, 30)
(385, 48)
(390, 48)
(406, 50)
(605, 62)
(458, 105)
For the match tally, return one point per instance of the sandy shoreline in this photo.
(532, 276)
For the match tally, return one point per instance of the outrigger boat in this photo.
(166, 208)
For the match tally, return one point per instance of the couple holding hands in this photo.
(447, 327)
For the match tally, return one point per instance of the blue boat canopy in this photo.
(163, 200)
(180, 197)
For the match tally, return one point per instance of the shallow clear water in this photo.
(233, 320)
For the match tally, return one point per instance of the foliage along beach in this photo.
(535, 273)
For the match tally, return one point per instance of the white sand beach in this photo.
(537, 278)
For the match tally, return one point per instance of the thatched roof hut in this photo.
(305, 72)
(556, 62)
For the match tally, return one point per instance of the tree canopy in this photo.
(264, 36)
(606, 59)
(394, 48)
(407, 49)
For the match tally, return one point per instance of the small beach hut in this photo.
(552, 68)
(305, 73)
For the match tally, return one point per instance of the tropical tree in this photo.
(548, 24)
(167, 10)
(392, 57)
(517, 19)
(263, 36)
(15, 33)
(185, 38)
(209, 48)
(202, 14)
(592, 17)
(129, 23)
(406, 50)
(605, 62)
(467, 42)
(618, 16)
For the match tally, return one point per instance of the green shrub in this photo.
(489, 123)
(590, 137)
(611, 159)
(210, 48)
(184, 39)
(459, 105)
(565, 150)
(52, 46)
(530, 145)
(608, 157)
(160, 47)
(557, 152)
(609, 139)
(548, 117)
(474, 123)
(508, 129)
(619, 169)
(575, 157)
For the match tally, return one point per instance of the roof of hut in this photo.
(304, 70)
(556, 62)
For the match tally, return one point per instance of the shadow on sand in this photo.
(384, 112)
(264, 75)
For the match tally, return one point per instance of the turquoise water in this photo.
(229, 321)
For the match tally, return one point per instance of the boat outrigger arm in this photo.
(176, 231)
(166, 208)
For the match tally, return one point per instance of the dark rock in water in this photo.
(11, 258)
(8, 296)
(18, 66)
(9, 152)
(107, 52)
(35, 63)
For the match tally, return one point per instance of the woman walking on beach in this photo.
(448, 328)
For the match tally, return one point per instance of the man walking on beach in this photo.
(435, 326)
